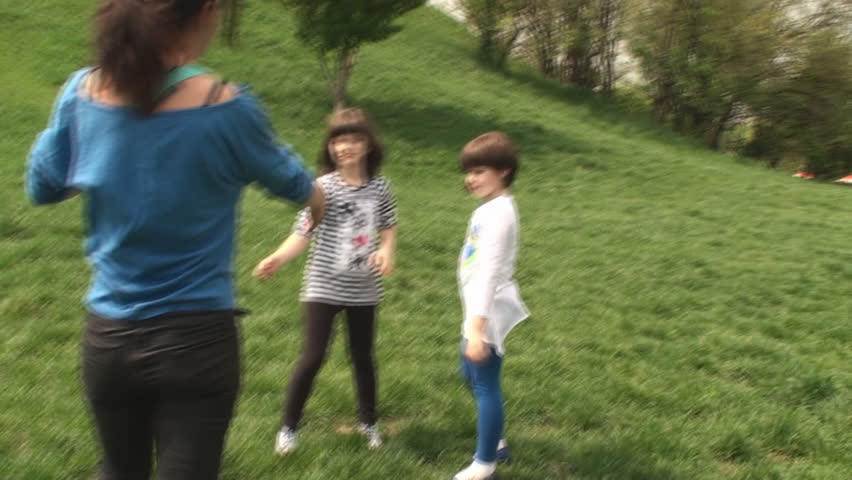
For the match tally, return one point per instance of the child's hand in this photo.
(267, 267)
(383, 261)
(476, 351)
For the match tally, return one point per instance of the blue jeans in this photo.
(484, 381)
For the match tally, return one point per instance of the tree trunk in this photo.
(609, 25)
(663, 101)
(346, 63)
(505, 49)
(714, 133)
(327, 74)
(539, 20)
(488, 34)
(337, 76)
(773, 161)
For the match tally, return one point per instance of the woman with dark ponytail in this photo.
(161, 148)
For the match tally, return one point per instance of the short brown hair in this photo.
(494, 150)
(353, 120)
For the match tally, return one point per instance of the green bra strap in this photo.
(179, 74)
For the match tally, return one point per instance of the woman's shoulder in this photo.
(77, 75)
(239, 108)
(206, 93)
(72, 84)
(208, 89)
(222, 92)
(195, 85)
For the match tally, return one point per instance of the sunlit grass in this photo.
(690, 311)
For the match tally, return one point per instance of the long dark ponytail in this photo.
(130, 39)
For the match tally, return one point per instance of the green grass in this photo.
(691, 311)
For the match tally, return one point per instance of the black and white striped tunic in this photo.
(338, 270)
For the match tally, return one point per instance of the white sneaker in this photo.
(286, 441)
(477, 471)
(374, 440)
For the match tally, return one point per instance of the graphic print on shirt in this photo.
(469, 251)
(356, 235)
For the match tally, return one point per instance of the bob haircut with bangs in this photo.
(494, 150)
(353, 121)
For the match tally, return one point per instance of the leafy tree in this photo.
(807, 112)
(498, 25)
(705, 61)
(336, 30)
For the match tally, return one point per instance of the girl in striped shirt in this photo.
(351, 249)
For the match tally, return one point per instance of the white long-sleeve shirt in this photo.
(486, 267)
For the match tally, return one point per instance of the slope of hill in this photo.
(690, 310)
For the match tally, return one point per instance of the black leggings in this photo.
(168, 382)
(319, 320)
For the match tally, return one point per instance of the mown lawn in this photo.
(691, 311)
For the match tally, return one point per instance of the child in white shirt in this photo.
(490, 297)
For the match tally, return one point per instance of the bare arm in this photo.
(385, 257)
(388, 238)
(476, 329)
(476, 350)
(291, 248)
(316, 203)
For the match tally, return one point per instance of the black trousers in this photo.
(170, 383)
(319, 320)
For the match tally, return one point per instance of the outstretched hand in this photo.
(267, 267)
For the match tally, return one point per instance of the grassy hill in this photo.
(691, 311)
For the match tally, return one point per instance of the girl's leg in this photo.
(319, 318)
(466, 370)
(485, 379)
(361, 324)
(199, 384)
(191, 435)
(124, 428)
(122, 412)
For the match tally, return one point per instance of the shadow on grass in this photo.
(624, 112)
(431, 444)
(552, 456)
(605, 459)
(532, 458)
(444, 127)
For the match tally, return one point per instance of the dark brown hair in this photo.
(353, 120)
(130, 39)
(494, 150)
